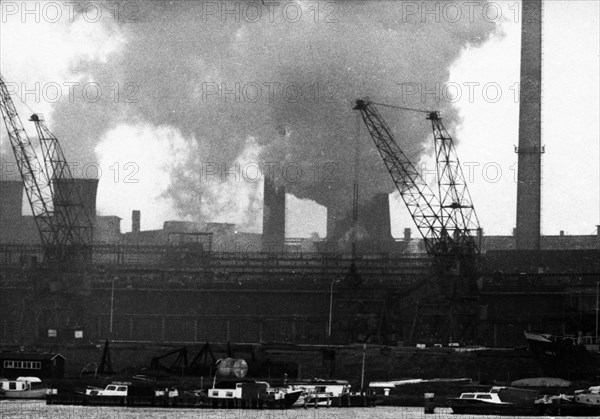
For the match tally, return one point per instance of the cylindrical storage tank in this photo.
(232, 368)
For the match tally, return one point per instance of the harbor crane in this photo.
(447, 220)
(61, 219)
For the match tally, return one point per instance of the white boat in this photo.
(22, 388)
(113, 389)
(121, 389)
(499, 401)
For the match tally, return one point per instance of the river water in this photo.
(39, 410)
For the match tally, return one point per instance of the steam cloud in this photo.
(176, 56)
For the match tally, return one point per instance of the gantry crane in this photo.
(62, 221)
(447, 220)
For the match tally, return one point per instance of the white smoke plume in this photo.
(209, 83)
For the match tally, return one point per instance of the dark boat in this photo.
(249, 395)
(566, 356)
(499, 401)
(409, 392)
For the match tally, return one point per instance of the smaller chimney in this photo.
(136, 217)
(562, 233)
(407, 234)
(479, 232)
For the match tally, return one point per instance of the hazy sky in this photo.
(177, 105)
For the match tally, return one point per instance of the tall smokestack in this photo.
(530, 144)
(136, 217)
(273, 216)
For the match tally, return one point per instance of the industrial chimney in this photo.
(273, 216)
(136, 217)
(530, 145)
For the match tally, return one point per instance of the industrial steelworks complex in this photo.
(70, 279)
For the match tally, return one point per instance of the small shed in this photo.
(36, 364)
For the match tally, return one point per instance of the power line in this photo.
(402, 108)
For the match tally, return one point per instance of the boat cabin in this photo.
(500, 394)
(335, 388)
(20, 384)
(243, 390)
(114, 389)
(482, 397)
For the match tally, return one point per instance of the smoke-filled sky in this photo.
(178, 105)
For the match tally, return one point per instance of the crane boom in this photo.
(37, 191)
(416, 194)
(73, 223)
(446, 221)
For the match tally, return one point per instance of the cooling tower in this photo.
(87, 189)
(69, 192)
(11, 199)
(373, 233)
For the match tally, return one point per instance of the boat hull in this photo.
(346, 400)
(475, 407)
(180, 401)
(563, 358)
(24, 394)
(571, 409)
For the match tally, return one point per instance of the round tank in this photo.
(232, 368)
